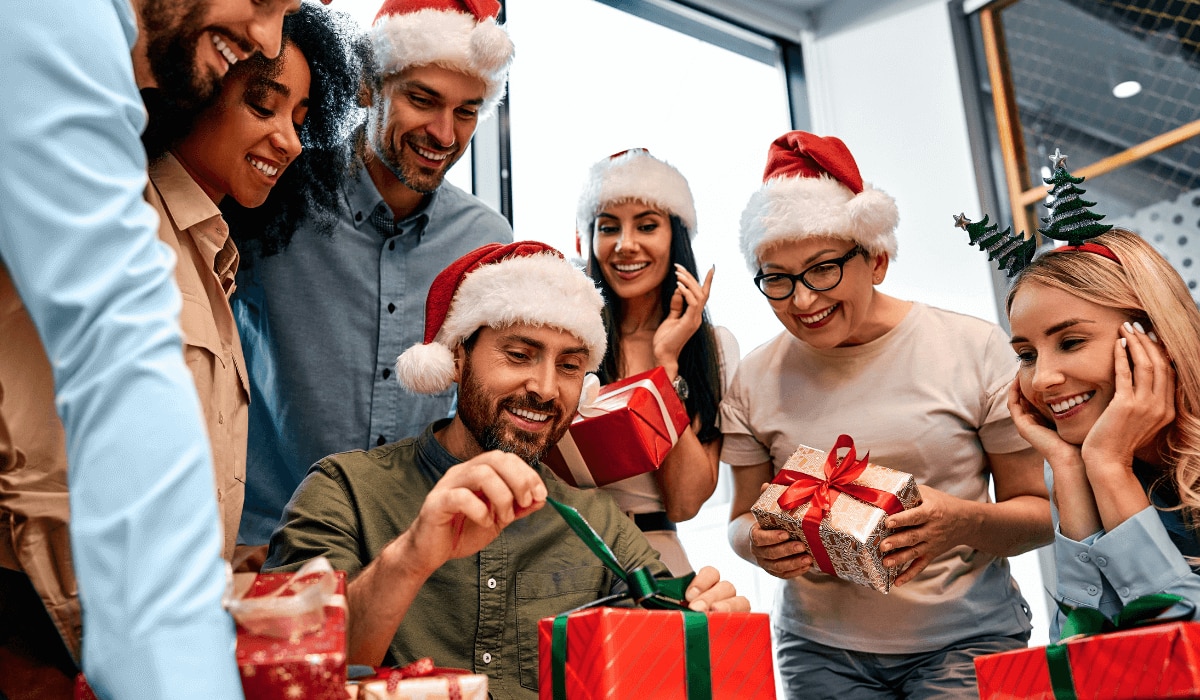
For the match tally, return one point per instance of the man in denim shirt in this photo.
(323, 320)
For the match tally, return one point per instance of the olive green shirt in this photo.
(479, 612)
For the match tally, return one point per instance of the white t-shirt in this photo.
(927, 398)
(640, 494)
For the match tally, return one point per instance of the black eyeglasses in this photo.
(821, 277)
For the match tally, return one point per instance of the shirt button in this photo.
(358, 216)
(491, 583)
(387, 373)
(391, 308)
(487, 658)
(1092, 590)
(1083, 557)
(380, 440)
(391, 245)
(1101, 561)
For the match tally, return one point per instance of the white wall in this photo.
(883, 77)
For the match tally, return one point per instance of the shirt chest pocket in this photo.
(547, 594)
(221, 387)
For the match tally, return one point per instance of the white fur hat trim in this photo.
(453, 40)
(791, 209)
(634, 176)
(540, 290)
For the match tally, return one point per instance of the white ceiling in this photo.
(779, 18)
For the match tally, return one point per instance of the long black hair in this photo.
(311, 186)
(699, 361)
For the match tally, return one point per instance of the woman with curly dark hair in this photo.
(266, 150)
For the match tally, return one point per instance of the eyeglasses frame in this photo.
(840, 262)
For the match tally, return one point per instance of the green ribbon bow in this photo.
(1085, 622)
(645, 590)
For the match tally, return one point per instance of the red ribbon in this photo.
(839, 473)
(422, 668)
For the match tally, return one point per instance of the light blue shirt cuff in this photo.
(1139, 558)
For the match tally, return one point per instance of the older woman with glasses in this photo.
(925, 391)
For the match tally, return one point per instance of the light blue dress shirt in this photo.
(1143, 555)
(321, 325)
(82, 249)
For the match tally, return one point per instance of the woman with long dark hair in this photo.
(635, 223)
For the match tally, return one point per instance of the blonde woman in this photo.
(1108, 341)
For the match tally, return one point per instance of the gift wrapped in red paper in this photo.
(291, 635)
(1158, 661)
(838, 507)
(421, 680)
(626, 430)
(622, 653)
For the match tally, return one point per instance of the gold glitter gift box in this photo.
(844, 502)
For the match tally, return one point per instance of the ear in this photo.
(460, 360)
(879, 267)
(366, 97)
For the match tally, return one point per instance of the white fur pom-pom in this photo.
(491, 47)
(425, 368)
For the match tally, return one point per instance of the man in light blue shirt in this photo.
(81, 248)
(323, 321)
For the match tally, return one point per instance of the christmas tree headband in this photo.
(1071, 219)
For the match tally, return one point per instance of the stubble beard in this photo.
(173, 30)
(490, 430)
(411, 176)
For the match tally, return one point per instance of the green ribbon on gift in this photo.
(645, 590)
(1086, 622)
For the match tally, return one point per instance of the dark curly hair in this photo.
(699, 361)
(308, 191)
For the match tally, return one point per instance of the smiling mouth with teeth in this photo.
(224, 49)
(631, 267)
(1066, 405)
(268, 170)
(530, 415)
(431, 155)
(818, 317)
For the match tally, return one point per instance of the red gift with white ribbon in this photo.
(624, 429)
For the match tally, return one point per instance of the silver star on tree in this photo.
(961, 221)
(1059, 159)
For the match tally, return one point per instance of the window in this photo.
(1114, 85)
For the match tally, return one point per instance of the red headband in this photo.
(1096, 248)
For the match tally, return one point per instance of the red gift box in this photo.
(301, 665)
(627, 430)
(631, 653)
(1161, 661)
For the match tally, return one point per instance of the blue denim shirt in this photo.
(82, 249)
(322, 323)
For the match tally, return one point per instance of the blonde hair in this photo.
(1145, 286)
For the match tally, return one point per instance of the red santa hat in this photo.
(812, 187)
(498, 285)
(461, 35)
(629, 176)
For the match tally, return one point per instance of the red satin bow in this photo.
(839, 475)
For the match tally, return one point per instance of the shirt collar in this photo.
(188, 206)
(432, 458)
(364, 200)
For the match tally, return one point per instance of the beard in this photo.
(173, 30)
(492, 432)
(411, 175)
